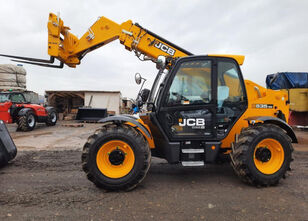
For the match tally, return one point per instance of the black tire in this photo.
(244, 154)
(52, 118)
(27, 121)
(3, 158)
(141, 152)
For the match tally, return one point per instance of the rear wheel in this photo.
(27, 121)
(51, 118)
(262, 154)
(116, 158)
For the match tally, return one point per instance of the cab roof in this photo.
(239, 58)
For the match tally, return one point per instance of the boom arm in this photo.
(70, 50)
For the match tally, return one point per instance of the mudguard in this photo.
(49, 109)
(276, 121)
(8, 149)
(23, 111)
(126, 118)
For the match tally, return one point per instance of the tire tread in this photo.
(239, 160)
(116, 129)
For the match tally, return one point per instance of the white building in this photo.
(69, 101)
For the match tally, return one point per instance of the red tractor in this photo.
(15, 109)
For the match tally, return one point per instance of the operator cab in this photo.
(202, 98)
(197, 102)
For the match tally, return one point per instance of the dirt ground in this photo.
(46, 182)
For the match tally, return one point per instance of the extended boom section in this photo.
(67, 48)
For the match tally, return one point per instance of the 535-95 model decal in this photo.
(263, 106)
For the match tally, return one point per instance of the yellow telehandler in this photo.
(199, 109)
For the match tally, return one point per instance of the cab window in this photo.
(191, 84)
(229, 88)
(4, 98)
(17, 98)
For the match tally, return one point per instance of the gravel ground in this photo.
(46, 182)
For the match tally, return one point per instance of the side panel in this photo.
(38, 109)
(4, 112)
(261, 102)
(163, 147)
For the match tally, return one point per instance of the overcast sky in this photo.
(273, 35)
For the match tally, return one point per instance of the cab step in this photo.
(192, 150)
(192, 163)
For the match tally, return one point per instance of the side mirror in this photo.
(161, 62)
(138, 78)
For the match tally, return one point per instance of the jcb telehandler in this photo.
(198, 109)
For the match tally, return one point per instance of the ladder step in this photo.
(192, 163)
(192, 150)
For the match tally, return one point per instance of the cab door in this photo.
(187, 107)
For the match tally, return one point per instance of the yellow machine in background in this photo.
(199, 109)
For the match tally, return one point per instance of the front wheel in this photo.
(262, 154)
(27, 121)
(116, 158)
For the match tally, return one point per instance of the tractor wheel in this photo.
(3, 158)
(262, 155)
(27, 121)
(51, 118)
(116, 157)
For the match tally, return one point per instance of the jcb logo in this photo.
(164, 48)
(192, 122)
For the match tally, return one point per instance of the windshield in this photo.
(14, 97)
(191, 84)
(4, 97)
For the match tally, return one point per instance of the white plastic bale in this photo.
(12, 76)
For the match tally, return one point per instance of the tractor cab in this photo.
(201, 97)
(194, 105)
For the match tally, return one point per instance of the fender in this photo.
(119, 119)
(23, 111)
(276, 121)
(49, 108)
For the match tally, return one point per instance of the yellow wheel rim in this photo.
(268, 156)
(115, 159)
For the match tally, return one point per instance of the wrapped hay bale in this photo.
(12, 77)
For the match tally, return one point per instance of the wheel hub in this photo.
(116, 157)
(53, 117)
(31, 120)
(263, 154)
